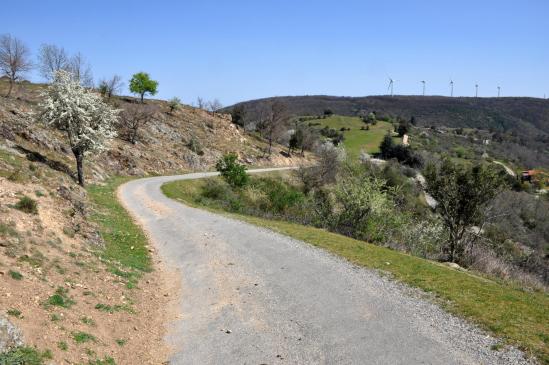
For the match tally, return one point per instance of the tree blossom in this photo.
(80, 113)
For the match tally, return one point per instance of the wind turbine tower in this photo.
(390, 87)
(476, 90)
(423, 82)
(451, 88)
(499, 91)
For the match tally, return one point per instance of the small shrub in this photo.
(87, 320)
(174, 104)
(7, 230)
(36, 259)
(106, 361)
(62, 345)
(61, 298)
(120, 342)
(195, 146)
(16, 275)
(232, 171)
(14, 312)
(114, 308)
(27, 205)
(83, 337)
(69, 231)
(16, 176)
(55, 317)
(215, 190)
(24, 356)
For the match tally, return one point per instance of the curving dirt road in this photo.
(251, 296)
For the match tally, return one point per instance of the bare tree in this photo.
(200, 103)
(14, 59)
(273, 121)
(330, 160)
(52, 59)
(310, 140)
(80, 70)
(133, 118)
(111, 86)
(214, 106)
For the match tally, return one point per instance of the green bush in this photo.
(27, 205)
(61, 298)
(279, 193)
(232, 171)
(82, 337)
(14, 312)
(16, 275)
(214, 190)
(195, 146)
(24, 356)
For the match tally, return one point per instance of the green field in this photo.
(516, 316)
(356, 139)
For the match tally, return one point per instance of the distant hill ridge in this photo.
(525, 116)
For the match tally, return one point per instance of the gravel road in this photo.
(251, 296)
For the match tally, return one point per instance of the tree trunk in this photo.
(142, 95)
(270, 145)
(79, 166)
(9, 90)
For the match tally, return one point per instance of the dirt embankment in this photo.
(55, 287)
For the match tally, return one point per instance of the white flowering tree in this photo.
(87, 121)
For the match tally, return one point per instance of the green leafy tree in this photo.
(386, 147)
(403, 128)
(141, 84)
(462, 194)
(238, 114)
(232, 171)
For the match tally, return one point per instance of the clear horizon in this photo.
(249, 50)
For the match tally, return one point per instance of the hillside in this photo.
(78, 280)
(528, 115)
(355, 137)
(521, 125)
(163, 145)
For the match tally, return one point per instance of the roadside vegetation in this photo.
(125, 242)
(378, 219)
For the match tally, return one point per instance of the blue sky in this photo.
(239, 50)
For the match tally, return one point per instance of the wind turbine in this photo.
(391, 84)
(476, 90)
(423, 82)
(451, 88)
(499, 91)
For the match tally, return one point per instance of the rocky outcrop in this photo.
(10, 335)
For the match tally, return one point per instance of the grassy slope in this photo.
(125, 241)
(519, 317)
(357, 139)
